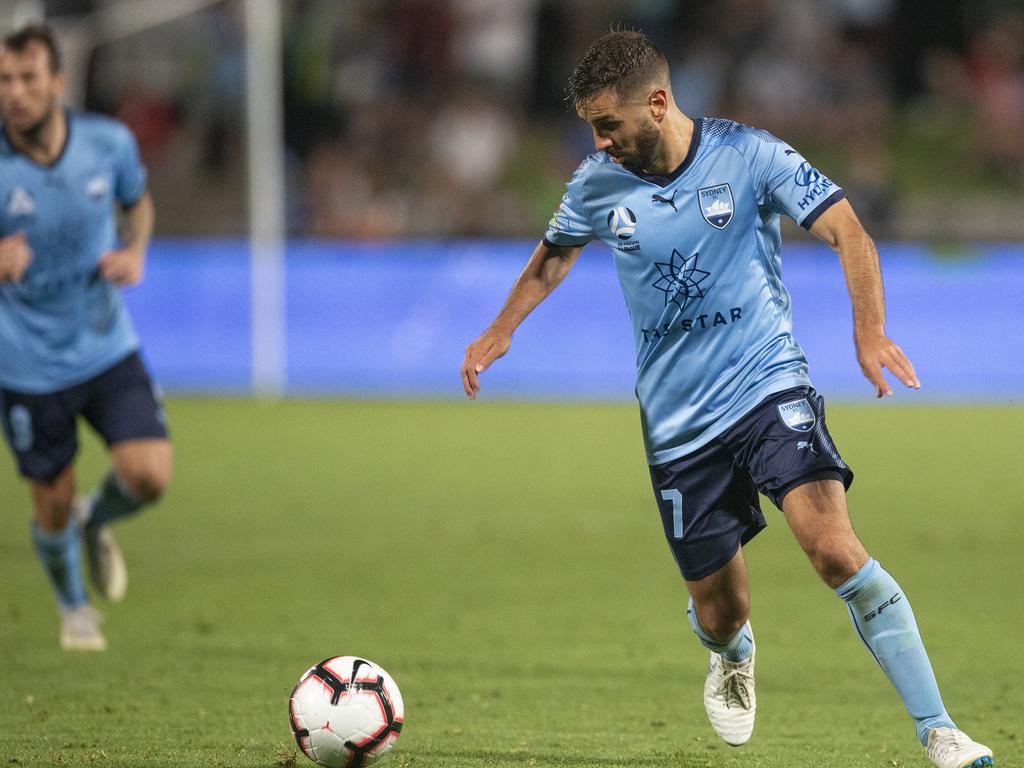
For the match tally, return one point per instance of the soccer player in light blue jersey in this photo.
(67, 348)
(691, 209)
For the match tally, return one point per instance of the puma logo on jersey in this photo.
(656, 198)
(20, 203)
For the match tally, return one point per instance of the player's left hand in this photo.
(123, 266)
(878, 351)
(491, 345)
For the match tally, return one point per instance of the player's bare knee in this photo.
(150, 486)
(147, 483)
(145, 474)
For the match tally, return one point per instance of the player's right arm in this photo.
(543, 272)
(15, 256)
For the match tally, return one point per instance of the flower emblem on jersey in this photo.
(680, 279)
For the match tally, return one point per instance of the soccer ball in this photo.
(345, 711)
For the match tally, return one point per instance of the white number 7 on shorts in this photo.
(676, 498)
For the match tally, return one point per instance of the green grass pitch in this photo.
(505, 563)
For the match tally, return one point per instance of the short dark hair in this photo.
(622, 60)
(20, 39)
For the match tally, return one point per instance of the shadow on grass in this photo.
(539, 759)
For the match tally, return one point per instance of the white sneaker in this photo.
(106, 563)
(80, 629)
(950, 748)
(729, 698)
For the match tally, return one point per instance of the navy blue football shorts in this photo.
(122, 403)
(708, 499)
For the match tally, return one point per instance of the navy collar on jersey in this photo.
(664, 181)
(12, 149)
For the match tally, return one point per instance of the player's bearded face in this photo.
(644, 147)
(29, 91)
(625, 130)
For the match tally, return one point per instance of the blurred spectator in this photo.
(221, 100)
(311, 109)
(996, 70)
(409, 118)
(421, 37)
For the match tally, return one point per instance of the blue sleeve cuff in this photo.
(550, 244)
(134, 199)
(823, 206)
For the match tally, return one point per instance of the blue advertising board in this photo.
(392, 319)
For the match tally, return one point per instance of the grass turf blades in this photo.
(506, 564)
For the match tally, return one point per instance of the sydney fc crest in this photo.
(716, 205)
(797, 415)
(97, 187)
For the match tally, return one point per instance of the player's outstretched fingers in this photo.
(467, 383)
(466, 386)
(470, 379)
(900, 365)
(479, 356)
(489, 356)
(873, 372)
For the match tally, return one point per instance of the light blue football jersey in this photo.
(63, 324)
(698, 258)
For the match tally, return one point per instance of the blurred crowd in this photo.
(437, 118)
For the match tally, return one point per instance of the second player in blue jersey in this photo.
(68, 347)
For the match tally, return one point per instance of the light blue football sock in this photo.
(61, 560)
(111, 501)
(739, 646)
(882, 617)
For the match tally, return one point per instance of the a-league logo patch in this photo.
(716, 205)
(798, 415)
(622, 222)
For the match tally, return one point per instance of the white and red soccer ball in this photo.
(345, 712)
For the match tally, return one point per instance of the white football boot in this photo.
(106, 563)
(729, 698)
(80, 629)
(950, 748)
